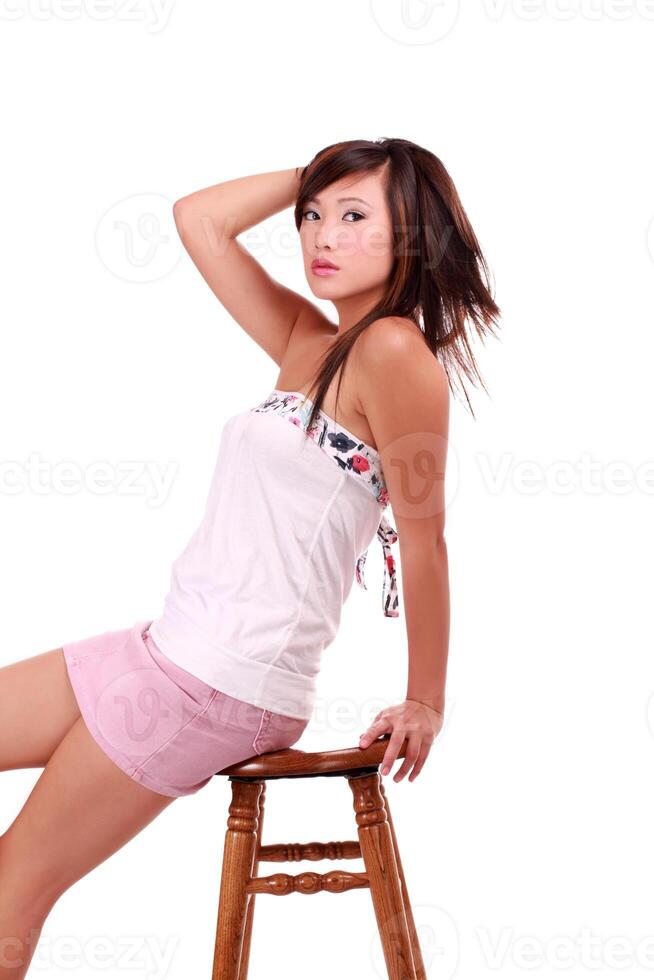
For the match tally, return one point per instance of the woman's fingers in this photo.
(411, 727)
(394, 746)
(377, 728)
(422, 755)
(416, 749)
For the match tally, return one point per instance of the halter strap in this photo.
(390, 601)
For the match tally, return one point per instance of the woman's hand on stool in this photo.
(412, 720)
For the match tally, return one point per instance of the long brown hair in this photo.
(439, 278)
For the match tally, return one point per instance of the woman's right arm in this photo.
(208, 222)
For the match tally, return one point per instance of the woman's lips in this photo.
(324, 270)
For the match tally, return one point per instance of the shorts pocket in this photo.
(190, 685)
(175, 742)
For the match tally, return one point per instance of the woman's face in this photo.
(349, 224)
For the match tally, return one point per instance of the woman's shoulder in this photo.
(394, 341)
(394, 327)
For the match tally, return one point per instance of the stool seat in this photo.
(290, 763)
(375, 843)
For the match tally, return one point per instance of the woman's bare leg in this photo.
(37, 708)
(82, 809)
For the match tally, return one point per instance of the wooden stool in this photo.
(377, 846)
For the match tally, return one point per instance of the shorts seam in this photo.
(78, 658)
(171, 738)
(162, 788)
(78, 682)
(264, 725)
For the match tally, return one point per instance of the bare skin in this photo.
(66, 827)
(43, 852)
(394, 394)
(37, 708)
(292, 330)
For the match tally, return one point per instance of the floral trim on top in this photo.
(355, 457)
(351, 454)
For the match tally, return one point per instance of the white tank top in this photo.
(256, 595)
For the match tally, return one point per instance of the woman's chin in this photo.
(323, 289)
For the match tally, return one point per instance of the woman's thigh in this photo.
(37, 707)
(82, 809)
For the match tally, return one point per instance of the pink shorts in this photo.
(161, 725)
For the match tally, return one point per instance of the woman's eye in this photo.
(356, 213)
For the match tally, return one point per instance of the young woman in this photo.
(357, 419)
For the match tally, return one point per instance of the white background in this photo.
(530, 826)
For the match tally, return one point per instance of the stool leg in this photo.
(238, 859)
(245, 951)
(379, 859)
(415, 944)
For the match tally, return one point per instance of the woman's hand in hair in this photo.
(412, 720)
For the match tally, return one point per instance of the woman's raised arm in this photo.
(208, 222)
